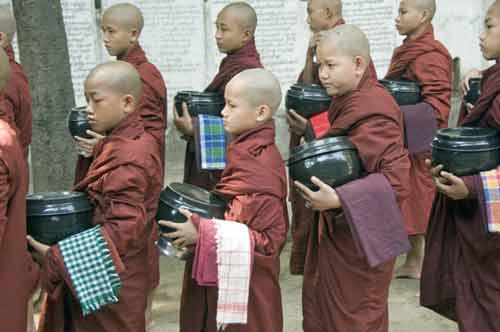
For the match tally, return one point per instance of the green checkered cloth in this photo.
(91, 269)
(211, 143)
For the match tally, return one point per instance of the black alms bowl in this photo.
(405, 92)
(54, 216)
(333, 160)
(210, 103)
(474, 91)
(307, 100)
(78, 123)
(195, 199)
(466, 150)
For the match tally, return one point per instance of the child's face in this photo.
(409, 18)
(106, 108)
(490, 37)
(230, 36)
(316, 16)
(117, 39)
(239, 114)
(339, 73)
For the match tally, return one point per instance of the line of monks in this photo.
(122, 166)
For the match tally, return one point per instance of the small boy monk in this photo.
(460, 275)
(18, 272)
(322, 15)
(254, 185)
(345, 289)
(235, 31)
(123, 186)
(425, 60)
(16, 109)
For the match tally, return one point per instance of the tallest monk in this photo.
(322, 15)
(424, 59)
(235, 36)
(16, 108)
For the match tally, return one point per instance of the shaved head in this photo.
(424, 5)
(347, 39)
(260, 87)
(335, 6)
(4, 69)
(244, 15)
(119, 76)
(7, 22)
(126, 15)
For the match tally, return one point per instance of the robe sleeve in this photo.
(379, 141)
(493, 115)
(152, 112)
(4, 198)
(433, 71)
(264, 216)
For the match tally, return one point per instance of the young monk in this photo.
(462, 256)
(16, 109)
(18, 272)
(122, 184)
(255, 187)
(235, 31)
(322, 15)
(345, 289)
(425, 60)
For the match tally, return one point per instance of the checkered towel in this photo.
(91, 269)
(491, 189)
(234, 264)
(210, 142)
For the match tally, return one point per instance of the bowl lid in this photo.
(400, 85)
(194, 198)
(467, 139)
(57, 202)
(199, 96)
(318, 147)
(311, 92)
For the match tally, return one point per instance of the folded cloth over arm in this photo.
(210, 141)
(91, 269)
(491, 197)
(205, 258)
(420, 127)
(374, 217)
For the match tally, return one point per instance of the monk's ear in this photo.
(129, 104)
(264, 113)
(360, 65)
(134, 35)
(247, 36)
(4, 39)
(426, 16)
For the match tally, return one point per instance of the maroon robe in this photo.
(460, 275)
(16, 108)
(428, 62)
(245, 58)
(254, 183)
(153, 112)
(18, 272)
(341, 292)
(124, 188)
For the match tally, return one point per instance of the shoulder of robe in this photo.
(375, 101)
(152, 77)
(138, 151)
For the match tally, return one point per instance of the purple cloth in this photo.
(376, 222)
(420, 127)
(205, 258)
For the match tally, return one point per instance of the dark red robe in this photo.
(460, 275)
(255, 186)
(245, 58)
(16, 108)
(153, 112)
(341, 292)
(428, 62)
(18, 273)
(124, 188)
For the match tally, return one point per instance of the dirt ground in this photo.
(405, 314)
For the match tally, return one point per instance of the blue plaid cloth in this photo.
(91, 269)
(212, 142)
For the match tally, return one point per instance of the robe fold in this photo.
(460, 275)
(255, 187)
(428, 62)
(341, 292)
(123, 186)
(16, 107)
(153, 112)
(245, 58)
(18, 273)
